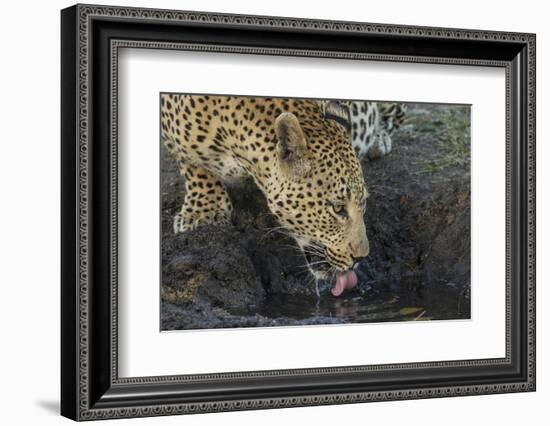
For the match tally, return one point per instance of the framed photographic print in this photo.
(263, 212)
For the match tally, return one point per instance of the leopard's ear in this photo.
(291, 145)
(338, 112)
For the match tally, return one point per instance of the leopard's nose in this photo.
(361, 249)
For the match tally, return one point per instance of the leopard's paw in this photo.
(186, 222)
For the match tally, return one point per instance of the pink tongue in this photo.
(344, 280)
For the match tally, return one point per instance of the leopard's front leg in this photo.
(206, 200)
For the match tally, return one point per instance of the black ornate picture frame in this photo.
(91, 387)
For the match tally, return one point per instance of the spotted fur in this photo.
(302, 162)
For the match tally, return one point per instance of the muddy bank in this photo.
(418, 223)
(203, 315)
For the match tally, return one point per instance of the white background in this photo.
(140, 343)
(29, 226)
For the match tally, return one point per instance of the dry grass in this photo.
(452, 127)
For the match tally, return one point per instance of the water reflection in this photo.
(406, 300)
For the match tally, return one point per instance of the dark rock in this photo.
(215, 267)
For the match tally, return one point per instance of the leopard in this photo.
(302, 162)
(370, 124)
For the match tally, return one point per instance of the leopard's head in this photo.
(319, 192)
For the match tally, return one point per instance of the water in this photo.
(404, 300)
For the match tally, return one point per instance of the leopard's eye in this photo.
(339, 209)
